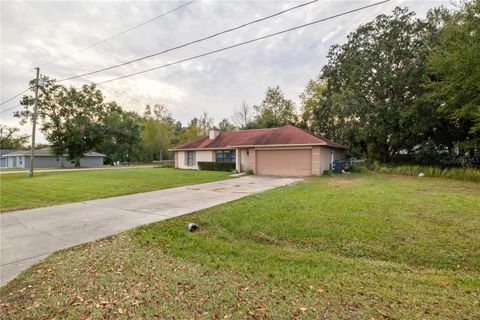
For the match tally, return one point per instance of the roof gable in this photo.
(286, 135)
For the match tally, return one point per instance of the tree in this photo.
(9, 139)
(226, 125)
(454, 87)
(242, 117)
(275, 110)
(205, 122)
(316, 111)
(122, 135)
(159, 131)
(198, 127)
(373, 83)
(71, 118)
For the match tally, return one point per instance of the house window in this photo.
(190, 158)
(225, 156)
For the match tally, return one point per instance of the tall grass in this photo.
(468, 174)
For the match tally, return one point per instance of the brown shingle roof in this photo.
(286, 135)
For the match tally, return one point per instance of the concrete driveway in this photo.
(29, 236)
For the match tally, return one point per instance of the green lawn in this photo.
(58, 168)
(45, 189)
(358, 246)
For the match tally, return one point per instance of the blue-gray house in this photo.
(3, 160)
(44, 158)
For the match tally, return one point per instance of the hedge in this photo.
(216, 166)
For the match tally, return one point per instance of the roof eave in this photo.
(263, 145)
(199, 149)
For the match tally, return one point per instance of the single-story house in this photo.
(284, 151)
(3, 160)
(44, 158)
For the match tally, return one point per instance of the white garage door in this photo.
(291, 162)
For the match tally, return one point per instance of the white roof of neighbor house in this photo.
(46, 152)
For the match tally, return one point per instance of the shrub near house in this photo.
(216, 166)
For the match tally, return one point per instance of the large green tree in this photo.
(275, 110)
(160, 131)
(316, 113)
(122, 137)
(372, 84)
(71, 118)
(454, 85)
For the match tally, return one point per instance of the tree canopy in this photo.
(402, 88)
(275, 110)
(10, 139)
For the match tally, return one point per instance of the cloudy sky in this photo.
(36, 32)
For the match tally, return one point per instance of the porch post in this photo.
(238, 157)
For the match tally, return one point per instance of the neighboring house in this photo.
(284, 151)
(44, 159)
(3, 160)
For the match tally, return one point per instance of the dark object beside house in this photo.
(340, 165)
(216, 166)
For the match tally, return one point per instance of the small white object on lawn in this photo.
(421, 174)
(192, 227)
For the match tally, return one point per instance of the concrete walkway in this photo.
(29, 236)
(78, 169)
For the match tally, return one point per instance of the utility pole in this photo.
(34, 120)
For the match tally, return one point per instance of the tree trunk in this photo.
(77, 162)
(160, 154)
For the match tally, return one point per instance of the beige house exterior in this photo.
(284, 151)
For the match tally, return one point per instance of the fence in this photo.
(164, 163)
(339, 165)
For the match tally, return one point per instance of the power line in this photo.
(120, 33)
(233, 46)
(11, 108)
(16, 78)
(1, 104)
(191, 42)
(245, 42)
(104, 40)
